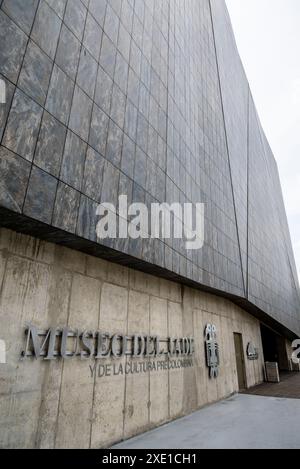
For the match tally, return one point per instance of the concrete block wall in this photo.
(58, 404)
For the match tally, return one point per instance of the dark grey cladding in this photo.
(149, 99)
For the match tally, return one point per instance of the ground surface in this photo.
(242, 421)
(289, 387)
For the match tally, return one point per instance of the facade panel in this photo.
(272, 277)
(148, 99)
(235, 97)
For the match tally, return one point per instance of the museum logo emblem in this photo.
(212, 350)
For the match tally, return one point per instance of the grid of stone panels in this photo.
(197, 168)
(118, 97)
(272, 274)
(235, 92)
(109, 97)
(268, 262)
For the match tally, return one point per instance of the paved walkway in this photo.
(242, 421)
(288, 387)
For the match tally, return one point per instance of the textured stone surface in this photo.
(58, 6)
(110, 181)
(97, 9)
(118, 104)
(4, 108)
(128, 156)
(50, 145)
(81, 112)
(60, 95)
(35, 74)
(13, 45)
(103, 91)
(75, 17)
(40, 196)
(22, 128)
(46, 29)
(108, 56)
(114, 144)
(93, 174)
(111, 24)
(23, 17)
(14, 176)
(98, 130)
(73, 161)
(92, 36)
(66, 208)
(67, 55)
(158, 91)
(87, 219)
(87, 73)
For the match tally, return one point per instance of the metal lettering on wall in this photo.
(212, 350)
(68, 343)
(252, 352)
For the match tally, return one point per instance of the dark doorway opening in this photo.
(274, 347)
(240, 361)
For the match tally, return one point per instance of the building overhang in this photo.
(29, 226)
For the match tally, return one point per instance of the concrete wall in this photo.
(58, 404)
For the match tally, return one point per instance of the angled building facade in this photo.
(148, 99)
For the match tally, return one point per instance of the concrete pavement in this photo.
(242, 421)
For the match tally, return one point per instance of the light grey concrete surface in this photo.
(41, 402)
(240, 422)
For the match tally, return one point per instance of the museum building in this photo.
(103, 339)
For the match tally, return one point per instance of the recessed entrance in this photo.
(240, 361)
(274, 347)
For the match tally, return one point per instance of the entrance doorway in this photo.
(274, 348)
(240, 361)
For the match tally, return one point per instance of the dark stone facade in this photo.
(146, 98)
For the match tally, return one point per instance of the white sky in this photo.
(268, 37)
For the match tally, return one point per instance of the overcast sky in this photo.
(268, 38)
